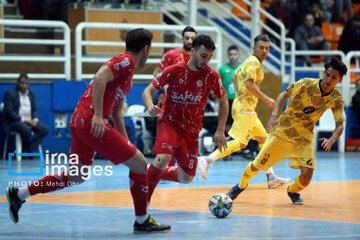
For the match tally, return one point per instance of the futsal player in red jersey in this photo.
(91, 131)
(180, 122)
(175, 56)
(178, 55)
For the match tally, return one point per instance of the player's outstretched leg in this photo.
(235, 191)
(15, 203)
(249, 173)
(206, 161)
(16, 196)
(274, 181)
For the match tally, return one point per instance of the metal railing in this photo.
(65, 42)
(256, 25)
(83, 58)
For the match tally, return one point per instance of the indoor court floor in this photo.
(102, 207)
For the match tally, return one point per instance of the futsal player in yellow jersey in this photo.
(246, 125)
(291, 133)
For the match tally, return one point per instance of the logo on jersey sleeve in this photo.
(119, 94)
(309, 110)
(125, 62)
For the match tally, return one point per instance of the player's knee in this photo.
(260, 139)
(161, 160)
(185, 178)
(242, 146)
(140, 163)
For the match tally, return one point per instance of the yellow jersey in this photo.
(305, 108)
(244, 100)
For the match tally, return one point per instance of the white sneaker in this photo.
(203, 167)
(277, 182)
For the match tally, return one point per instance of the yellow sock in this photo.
(247, 176)
(232, 146)
(296, 186)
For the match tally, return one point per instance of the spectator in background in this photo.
(34, 9)
(356, 101)
(320, 16)
(350, 37)
(21, 115)
(284, 11)
(310, 37)
(226, 73)
(338, 10)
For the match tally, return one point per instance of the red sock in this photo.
(139, 192)
(153, 178)
(48, 184)
(170, 174)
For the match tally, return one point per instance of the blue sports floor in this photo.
(101, 208)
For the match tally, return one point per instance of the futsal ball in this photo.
(220, 205)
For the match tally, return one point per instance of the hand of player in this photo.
(220, 140)
(34, 122)
(98, 126)
(155, 110)
(326, 144)
(270, 102)
(273, 122)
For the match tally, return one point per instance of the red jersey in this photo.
(187, 94)
(122, 66)
(173, 57)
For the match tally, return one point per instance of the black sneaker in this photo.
(14, 203)
(235, 191)
(150, 225)
(295, 197)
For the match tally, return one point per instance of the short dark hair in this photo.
(188, 29)
(137, 39)
(233, 47)
(261, 37)
(23, 75)
(204, 40)
(337, 64)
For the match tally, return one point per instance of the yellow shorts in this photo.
(246, 126)
(276, 149)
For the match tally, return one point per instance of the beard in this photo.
(142, 61)
(187, 48)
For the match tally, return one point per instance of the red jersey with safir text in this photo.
(173, 57)
(122, 67)
(187, 94)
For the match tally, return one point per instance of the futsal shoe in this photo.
(235, 191)
(150, 225)
(203, 167)
(277, 182)
(14, 203)
(295, 198)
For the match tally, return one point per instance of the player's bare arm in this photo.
(327, 143)
(147, 95)
(274, 119)
(101, 78)
(118, 119)
(254, 89)
(219, 137)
